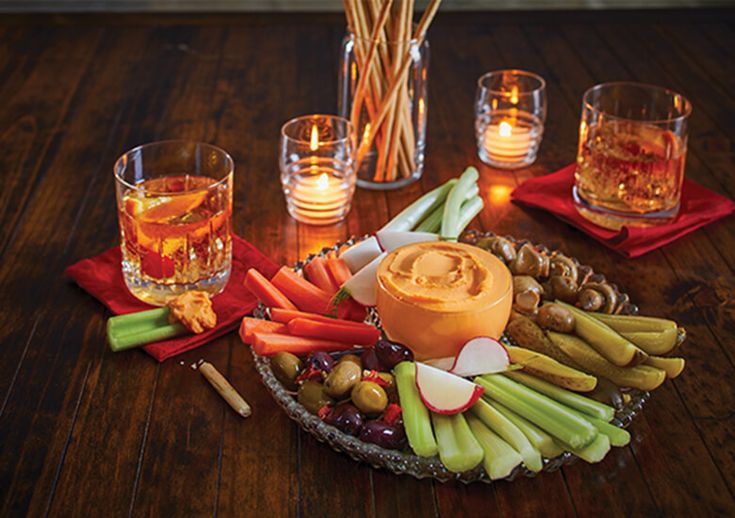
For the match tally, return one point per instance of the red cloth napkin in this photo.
(553, 192)
(101, 276)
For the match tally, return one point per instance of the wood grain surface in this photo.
(85, 432)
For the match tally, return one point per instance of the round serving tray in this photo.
(404, 462)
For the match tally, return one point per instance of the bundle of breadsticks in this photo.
(382, 102)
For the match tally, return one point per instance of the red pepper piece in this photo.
(324, 412)
(310, 373)
(392, 414)
(375, 378)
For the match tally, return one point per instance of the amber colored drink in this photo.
(631, 167)
(176, 235)
(631, 155)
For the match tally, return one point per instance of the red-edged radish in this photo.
(360, 254)
(362, 286)
(389, 240)
(443, 392)
(480, 355)
(444, 364)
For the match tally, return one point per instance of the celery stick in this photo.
(142, 316)
(415, 415)
(409, 217)
(618, 436)
(500, 459)
(585, 405)
(433, 221)
(458, 449)
(540, 440)
(470, 209)
(541, 410)
(143, 327)
(596, 450)
(121, 342)
(451, 217)
(498, 423)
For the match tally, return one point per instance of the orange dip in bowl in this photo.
(433, 297)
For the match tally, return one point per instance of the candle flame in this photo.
(314, 143)
(505, 129)
(322, 182)
(514, 95)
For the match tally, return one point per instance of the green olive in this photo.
(351, 358)
(313, 397)
(286, 367)
(369, 397)
(343, 377)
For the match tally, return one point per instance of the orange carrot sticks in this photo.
(267, 344)
(265, 291)
(363, 334)
(304, 294)
(255, 325)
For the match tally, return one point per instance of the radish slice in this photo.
(444, 364)
(363, 286)
(360, 254)
(481, 355)
(443, 392)
(389, 240)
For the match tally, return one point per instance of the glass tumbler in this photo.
(390, 123)
(510, 111)
(631, 155)
(174, 201)
(317, 168)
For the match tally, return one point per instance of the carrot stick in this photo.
(317, 273)
(265, 291)
(305, 295)
(255, 325)
(338, 270)
(267, 344)
(351, 334)
(285, 316)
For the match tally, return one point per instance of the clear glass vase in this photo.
(387, 108)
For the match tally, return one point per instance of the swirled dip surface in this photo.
(434, 296)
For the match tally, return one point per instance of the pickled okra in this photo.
(416, 419)
(635, 323)
(458, 449)
(642, 377)
(615, 348)
(672, 366)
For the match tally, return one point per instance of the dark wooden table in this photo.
(90, 433)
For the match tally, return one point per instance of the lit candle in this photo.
(318, 191)
(509, 117)
(507, 141)
(317, 180)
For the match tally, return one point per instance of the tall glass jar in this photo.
(387, 108)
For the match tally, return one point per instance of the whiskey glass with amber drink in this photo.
(632, 149)
(174, 201)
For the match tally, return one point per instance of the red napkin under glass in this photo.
(101, 276)
(553, 192)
